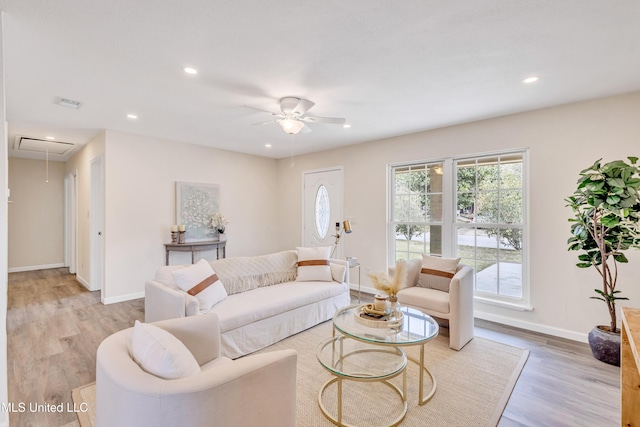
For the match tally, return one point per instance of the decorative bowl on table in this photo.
(366, 315)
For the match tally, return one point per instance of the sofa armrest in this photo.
(346, 266)
(461, 307)
(162, 302)
(200, 334)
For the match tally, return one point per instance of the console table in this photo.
(194, 247)
(630, 366)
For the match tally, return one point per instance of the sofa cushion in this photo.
(241, 274)
(201, 281)
(161, 354)
(425, 298)
(164, 275)
(436, 272)
(247, 307)
(313, 264)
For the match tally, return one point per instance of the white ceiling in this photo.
(389, 67)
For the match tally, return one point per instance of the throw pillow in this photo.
(436, 272)
(313, 264)
(161, 354)
(202, 282)
(338, 272)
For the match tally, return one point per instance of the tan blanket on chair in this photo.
(240, 274)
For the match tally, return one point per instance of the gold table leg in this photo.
(422, 399)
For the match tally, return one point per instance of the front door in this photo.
(323, 192)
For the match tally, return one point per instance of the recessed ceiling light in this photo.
(267, 145)
(132, 116)
(346, 125)
(51, 138)
(530, 80)
(190, 70)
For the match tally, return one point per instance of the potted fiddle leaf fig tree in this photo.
(605, 223)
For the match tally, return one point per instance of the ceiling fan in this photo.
(292, 117)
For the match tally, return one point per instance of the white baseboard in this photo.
(531, 326)
(83, 282)
(35, 267)
(363, 289)
(122, 298)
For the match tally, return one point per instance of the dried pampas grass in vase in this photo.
(390, 285)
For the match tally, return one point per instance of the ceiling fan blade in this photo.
(262, 110)
(334, 120)
(303, 106)
(265, 123)
(306, 129)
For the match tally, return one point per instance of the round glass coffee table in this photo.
(357, 361)
(417, 328)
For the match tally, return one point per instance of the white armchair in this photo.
(256, 390)
(455, 306)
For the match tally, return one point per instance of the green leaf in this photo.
(612, 200)
(583, 264)
(616, 182)
(632, 159)
(584, 257)
(620, 257)
(601, 299)
(610, 220)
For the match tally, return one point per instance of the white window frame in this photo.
(450, 225)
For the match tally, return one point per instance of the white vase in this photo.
(222, 237)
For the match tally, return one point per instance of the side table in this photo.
(194, 247)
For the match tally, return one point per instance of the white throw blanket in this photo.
(240, 274)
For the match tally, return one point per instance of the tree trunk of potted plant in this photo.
(606, 221)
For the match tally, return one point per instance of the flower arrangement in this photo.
(218, 222)
(390, 285)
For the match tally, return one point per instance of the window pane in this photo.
(402, 242)
(434, 179)
(511, 244)
(511, 175)
(466, 207)
(401, 208)
(416, 208)
(487, 244)
(322, 211)
(488, 174)
(402, 181)
(466, 176)
(511, 207)
(487, 277)
(434, 208)
(488, 205)
(417, 182)
(510, 279)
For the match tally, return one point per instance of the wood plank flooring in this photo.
(55, 325)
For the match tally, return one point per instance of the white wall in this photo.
(36, 214)
(141, 173)
(562, 141)
(81, 162)
(4, 179)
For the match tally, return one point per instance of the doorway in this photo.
(96, 226)
(322, 207)
(71, 221)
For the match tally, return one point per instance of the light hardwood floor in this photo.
(54, 327)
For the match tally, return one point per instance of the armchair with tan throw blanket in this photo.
(442, 288)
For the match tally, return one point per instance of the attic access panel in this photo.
(36, 145)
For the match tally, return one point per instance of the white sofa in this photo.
(257, 390)
(265, 303)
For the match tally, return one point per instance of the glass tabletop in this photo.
(417, 328)
(349, 358)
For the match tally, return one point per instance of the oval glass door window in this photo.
(322, 211)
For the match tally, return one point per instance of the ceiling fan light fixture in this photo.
(291, 126)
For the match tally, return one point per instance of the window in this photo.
(484, 226)
(322, 211)
(417, 212)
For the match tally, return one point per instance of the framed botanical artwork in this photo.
(194, 205)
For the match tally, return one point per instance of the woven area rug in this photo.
(473, 385)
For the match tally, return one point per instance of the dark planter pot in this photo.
(605, 345)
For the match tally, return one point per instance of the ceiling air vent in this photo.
(66, 102)
(36, 145)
